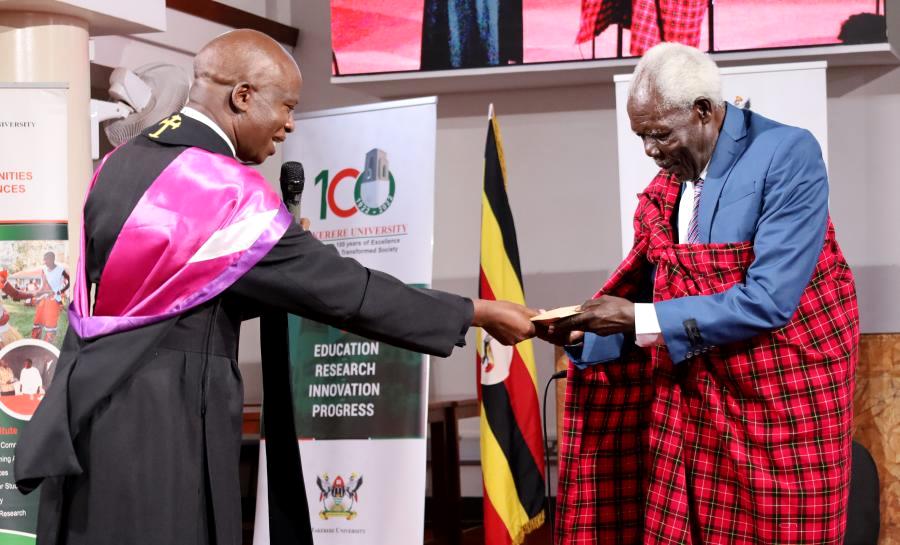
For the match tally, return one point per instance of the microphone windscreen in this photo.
(292, 171)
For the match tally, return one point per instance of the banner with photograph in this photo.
(34, 274)
(360, 406)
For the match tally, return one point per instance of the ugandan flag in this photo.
(512, 454)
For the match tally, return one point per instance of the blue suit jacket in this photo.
(766, 183)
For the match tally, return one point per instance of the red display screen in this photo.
(376, 36)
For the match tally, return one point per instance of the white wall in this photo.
(863, 112)
(277, 10)
(560, 147)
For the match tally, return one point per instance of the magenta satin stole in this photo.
(203, 223)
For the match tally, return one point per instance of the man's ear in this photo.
(241, 95)
(703, 107)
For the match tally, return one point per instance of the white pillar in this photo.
(45, 47)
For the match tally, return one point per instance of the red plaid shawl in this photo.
(747, 444)
(680, 21)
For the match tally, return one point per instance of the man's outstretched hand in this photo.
(559, 337)
(604, 316)
(507, 322)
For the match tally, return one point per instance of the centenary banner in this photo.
(34, 274)
(360, 406)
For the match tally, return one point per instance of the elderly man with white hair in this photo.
(710, 395)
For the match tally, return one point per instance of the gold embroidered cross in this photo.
(169, 123)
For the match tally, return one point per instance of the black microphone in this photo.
(292, 180)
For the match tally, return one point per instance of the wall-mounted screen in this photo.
(378, 36)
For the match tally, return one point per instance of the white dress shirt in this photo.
(646, 324)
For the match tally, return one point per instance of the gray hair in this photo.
(679, 73)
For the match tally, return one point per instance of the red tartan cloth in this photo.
(746, 444)
(680, 21)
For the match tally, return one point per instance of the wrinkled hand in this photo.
(507, 322)
(604, 316)
(558, 337)
(304, 224)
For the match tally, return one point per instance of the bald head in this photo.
(242, 55)
(249, 86)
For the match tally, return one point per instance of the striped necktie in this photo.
(693, 234)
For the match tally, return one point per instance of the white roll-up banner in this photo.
(360, 406)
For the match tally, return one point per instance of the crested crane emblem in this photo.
(338, 497)
(496, 360)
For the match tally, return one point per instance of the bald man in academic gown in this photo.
(137, 442)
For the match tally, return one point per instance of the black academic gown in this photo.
(156, 412)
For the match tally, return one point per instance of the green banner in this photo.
(349, 387)
(33, 322)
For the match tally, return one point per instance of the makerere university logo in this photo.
(372, 194)
(338, 497)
